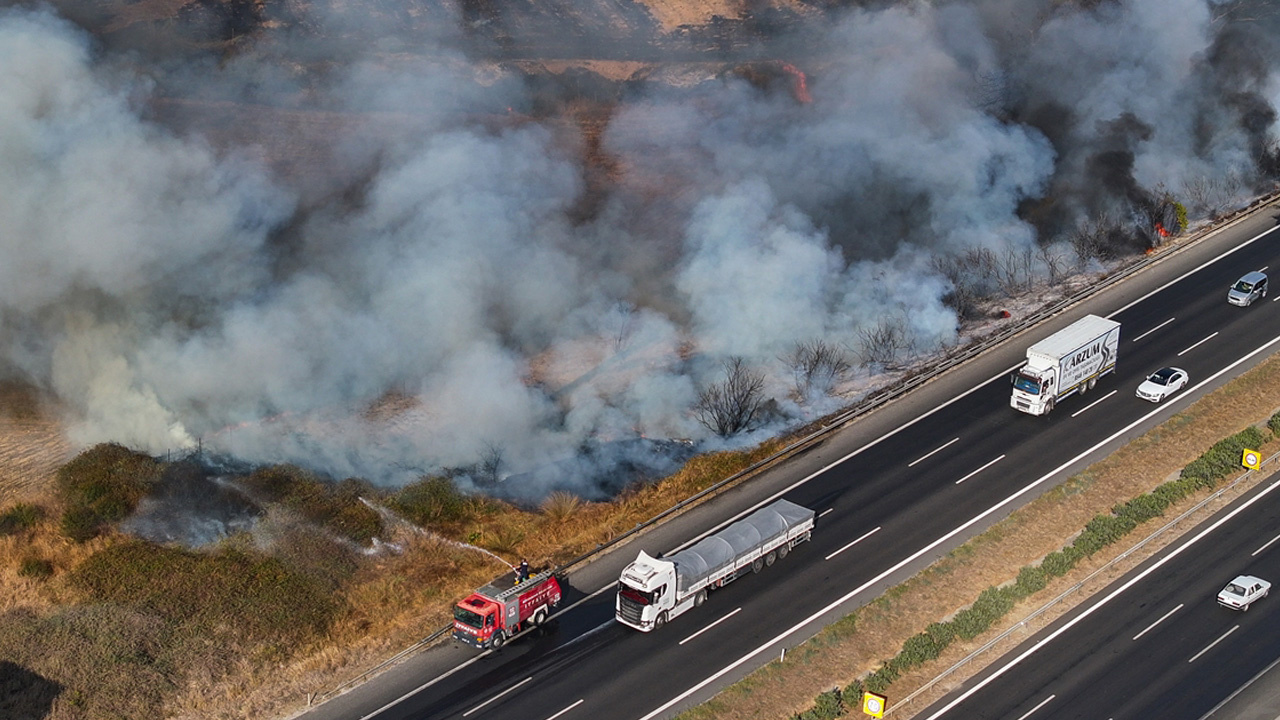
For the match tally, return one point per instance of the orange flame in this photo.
(1160, 229)
(801, 87)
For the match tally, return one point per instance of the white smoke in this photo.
(456, 254)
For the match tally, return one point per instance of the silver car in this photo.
(1247, 289)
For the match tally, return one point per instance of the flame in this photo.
(1160, 229)
(801, 87)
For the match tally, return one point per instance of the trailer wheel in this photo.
(498, 639)
(540, 617)
(782, 551)
(757, 565)
(768, 559)
(700, 598)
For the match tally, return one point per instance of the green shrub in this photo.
(1031, 579)
(103, 485)
(336, 506)
(1274, 424)
(1103, 530)
(829, 705)
(852, 694)
(1059, 563)
(230, 590)
(20, 517)
(433, 503)
(1142, 508)
(35, 568)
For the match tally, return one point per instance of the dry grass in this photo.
(840, 655)
(32, 447)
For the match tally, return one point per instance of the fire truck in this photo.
(488, 617)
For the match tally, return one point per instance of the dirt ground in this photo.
(835, 658)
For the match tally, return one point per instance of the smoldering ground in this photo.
(471, 270)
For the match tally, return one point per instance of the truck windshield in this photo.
(466, 617)
(634, 595)
(1026, 384)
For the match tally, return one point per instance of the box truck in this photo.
(1068, 361)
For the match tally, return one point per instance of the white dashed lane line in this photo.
(1166, 322)
(930, 453)
(984, 467)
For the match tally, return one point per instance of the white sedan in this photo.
(1240, 593)
(1162, 383)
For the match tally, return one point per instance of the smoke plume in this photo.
(447, 282)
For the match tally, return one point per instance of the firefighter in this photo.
(524, 572)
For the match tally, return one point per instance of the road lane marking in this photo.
(1215, 642)
(1112, 596)
(1162, 619)
(1264, 547)
(924, 457)
(499, 695)
(984, 467)
(1193, 347)
(726, 617)
(855, 542)
(1240, 689)
(1042, 704)
(824, 512)
(1166, 322)
(1095, 402)
(553, 717)
(950, 534)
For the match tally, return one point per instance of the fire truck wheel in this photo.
(768, 559)
(498, 639)
(700, 598)
(540, 617)
(757, 565)
(782, 551)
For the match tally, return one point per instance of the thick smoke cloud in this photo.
(455, 292)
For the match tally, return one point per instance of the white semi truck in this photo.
(1068, 361)
(652, 590)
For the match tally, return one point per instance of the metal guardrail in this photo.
(1075, 588)
(834, 422)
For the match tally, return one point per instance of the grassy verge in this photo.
(903, 639)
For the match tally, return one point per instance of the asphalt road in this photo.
(894, 492)
(1154, 644)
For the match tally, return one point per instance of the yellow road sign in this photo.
(1251, 459)
(873, 704)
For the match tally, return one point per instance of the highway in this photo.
(894, 492)
(1154, 644)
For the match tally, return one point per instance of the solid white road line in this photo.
(1193, 347)
(553, 717)
(726, 617)
(499, 695)
(1162, 619)
(1264, 547)
(1215, 642)
(1101, 603)
(984, 467)
(1095, 402)
(929, 548)
(1239, 690)
(930, 454)
(1166, 322)
(1042, 704)
(824, 512)
(855, 542)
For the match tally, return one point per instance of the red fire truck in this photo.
(495, 612)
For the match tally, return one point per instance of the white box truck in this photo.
(1068, 361)
(652, 590)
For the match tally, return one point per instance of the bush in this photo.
(1274, 424)
(336, 506)
(20, 517)
(255, 597)
(103, 485)
(1101, 531)
(1031, 579)
(434, 503)
(1059, 563)
(35, 568)
(1142, 508)
(829, 705)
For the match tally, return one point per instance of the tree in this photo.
(732, 406)
(817, 367)
(883, 343)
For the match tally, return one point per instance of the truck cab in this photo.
(1034, 389)
(475, 619)
(646, 593)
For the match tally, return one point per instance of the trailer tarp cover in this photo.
(712, 554)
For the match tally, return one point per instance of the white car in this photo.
(1240, 593)
(1162, 383)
